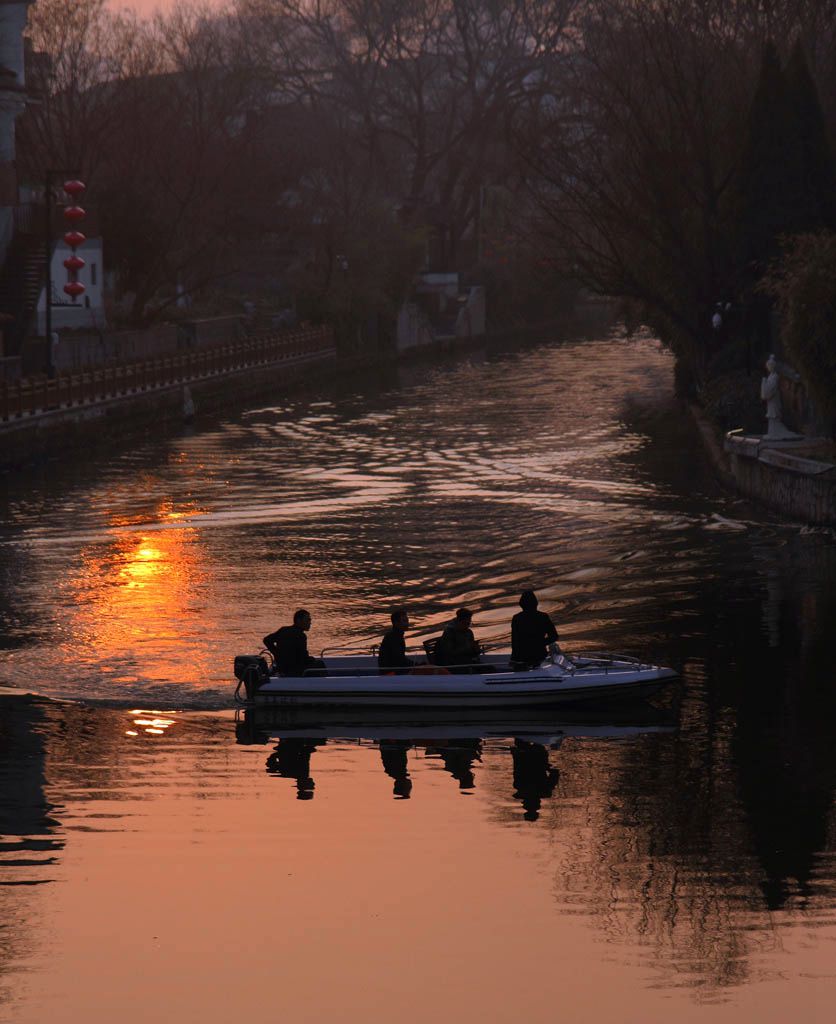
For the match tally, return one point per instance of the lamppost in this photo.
(344, 308)
(74, 238)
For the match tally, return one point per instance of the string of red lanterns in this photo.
(74, 238)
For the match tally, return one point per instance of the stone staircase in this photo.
(21, 281)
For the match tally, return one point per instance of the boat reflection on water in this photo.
(457, 756)
(292, 760)
(534, 777)
(393, 755)
(453, 737)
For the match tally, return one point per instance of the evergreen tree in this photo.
(817, 201)
(771, 171)
(786, 180)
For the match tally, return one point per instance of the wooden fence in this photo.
(34, 396)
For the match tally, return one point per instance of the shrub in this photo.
(803, 281)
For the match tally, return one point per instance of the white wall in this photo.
(12, 24)
(12, 102)
(470, 322)
(413, 330)
(86, 311)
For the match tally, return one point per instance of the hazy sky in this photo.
(148, 6)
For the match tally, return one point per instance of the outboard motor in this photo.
(252, 671)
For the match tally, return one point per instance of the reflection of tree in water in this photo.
(28, 842)
(534, 777)
(693, 844)
(654, 850)
(393, 756)
(783, 746)
(292, 760)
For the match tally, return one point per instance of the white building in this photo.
(86, 311)
(13, 14)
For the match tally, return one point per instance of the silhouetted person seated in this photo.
(289, 647)
(534, 777)
(393, 756)
(292, 760)
(392, 654)
(532, 632)
(457, 647)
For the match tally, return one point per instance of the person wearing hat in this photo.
(532, 632)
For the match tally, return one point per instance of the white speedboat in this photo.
(356, 680)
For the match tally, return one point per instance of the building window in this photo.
(93, 274)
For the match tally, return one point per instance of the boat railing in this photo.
(365, 651)
(607, 660)
(333, 671)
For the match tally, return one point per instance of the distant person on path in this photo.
(457, 646)
(289, 646)
(392, 653)
(532, 632)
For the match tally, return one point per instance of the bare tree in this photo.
(158, 116)
(635, 161)
(81, 51)
(429, 87)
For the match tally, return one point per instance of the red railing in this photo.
(34, 396)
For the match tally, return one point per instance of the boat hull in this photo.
(536, 689)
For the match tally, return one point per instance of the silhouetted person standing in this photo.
(532, 632)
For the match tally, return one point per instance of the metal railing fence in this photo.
(33, 396)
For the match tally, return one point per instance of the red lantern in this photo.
(74, 239)
(74, 188)
(74, 263)
(74, 288)
(74, 214)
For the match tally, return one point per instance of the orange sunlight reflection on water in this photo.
(190, 866)
(135, 589)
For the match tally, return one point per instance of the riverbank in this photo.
(796, 479)
(136, 811)
(40, 419)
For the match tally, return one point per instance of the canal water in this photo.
(162, 860)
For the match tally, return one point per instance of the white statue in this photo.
(771, 394)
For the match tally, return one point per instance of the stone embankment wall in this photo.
(797, 488)
(41, 417)
(80, 351)
(790, 484)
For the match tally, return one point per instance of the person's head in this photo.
(528, 601)
(771, 364)
(464, 616)
(400, 618)
(302, 618)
